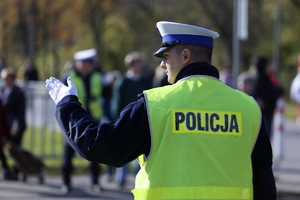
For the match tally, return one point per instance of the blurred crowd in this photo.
(105, 94)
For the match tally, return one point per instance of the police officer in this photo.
(194, 139)
(89, 87)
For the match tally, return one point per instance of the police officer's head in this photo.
(85, 61)
(183, 44)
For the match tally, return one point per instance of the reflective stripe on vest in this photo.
(95, 105)
(196, 192)
(201, 142)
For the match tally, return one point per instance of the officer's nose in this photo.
(163, 64)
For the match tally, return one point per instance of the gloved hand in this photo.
(58, 90)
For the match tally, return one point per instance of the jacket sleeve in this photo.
(114, 143)
(263, 179)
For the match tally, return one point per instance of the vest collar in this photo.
(198, 68)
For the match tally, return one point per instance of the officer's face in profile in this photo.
(85, 68)
(172, 63)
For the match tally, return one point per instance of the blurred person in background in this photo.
(245, 83)
(226, 75)
(89, 84)
(30, 71)
(266, 90)
(109, 80)
(135, 80)
(14, 102)
(125, 91)
(30, 75)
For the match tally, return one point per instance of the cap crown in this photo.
(85, 55)
(171, 28)
(176, 33)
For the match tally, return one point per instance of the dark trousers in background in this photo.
(268, 125)
(67, 166)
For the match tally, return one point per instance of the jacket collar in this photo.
(198, 68)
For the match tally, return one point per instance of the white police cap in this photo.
(85, 55)
(176, 33)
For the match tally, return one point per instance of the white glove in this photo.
(58, 90)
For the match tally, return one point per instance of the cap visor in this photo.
(160, 52)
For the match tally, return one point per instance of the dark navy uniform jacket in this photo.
(119, 142)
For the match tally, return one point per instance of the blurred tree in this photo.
(117, 42)
(289, 43)
(12, 31)
(217, 16)
(52, 30)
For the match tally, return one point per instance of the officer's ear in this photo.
(186, 53)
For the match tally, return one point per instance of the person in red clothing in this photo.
(265, 92)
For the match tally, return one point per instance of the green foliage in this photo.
(116, 44)
(43, 142)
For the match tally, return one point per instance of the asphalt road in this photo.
(286, 171)
(32, 190)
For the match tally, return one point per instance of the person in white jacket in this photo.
(295, 91)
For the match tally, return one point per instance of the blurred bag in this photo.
(25, 161)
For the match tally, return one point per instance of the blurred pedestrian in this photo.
(245, 83)
(295, 91)
(14, 102)
(13, 99)
(4, 134)
(125, 91)
(195, 139)
(134, 82)
(226, 75)
(109, 80)
(30, 71)
(266, 90)
(30, 75)
(89, 85)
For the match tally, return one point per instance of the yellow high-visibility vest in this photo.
(95, 105)
(203, 133)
